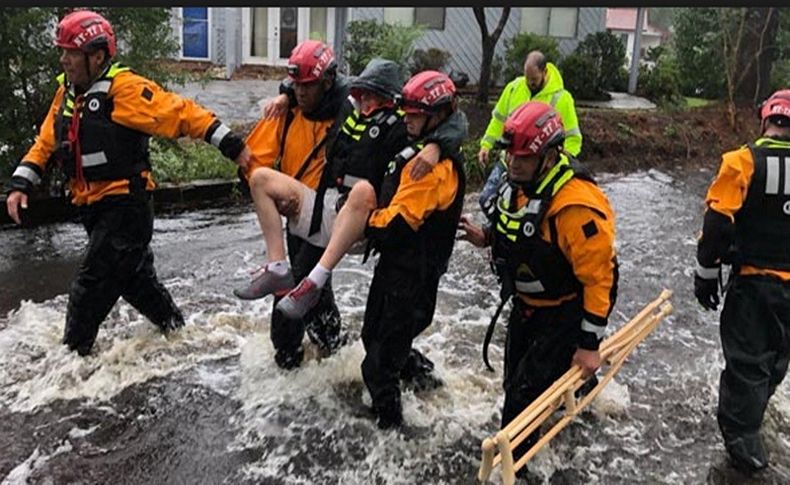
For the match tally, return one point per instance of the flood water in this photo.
(208, 404)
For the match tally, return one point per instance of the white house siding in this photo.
(461, 34)
(460, 37)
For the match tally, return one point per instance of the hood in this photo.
(381, 76)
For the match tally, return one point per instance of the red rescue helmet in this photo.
(532, 129)
(311, 61)
(776, 109)
(426, 92)
(87, 31)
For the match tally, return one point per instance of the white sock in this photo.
(278, 267)
(319, 275)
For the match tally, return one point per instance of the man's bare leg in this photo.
(272, 190)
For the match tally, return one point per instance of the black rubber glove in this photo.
(707, 292)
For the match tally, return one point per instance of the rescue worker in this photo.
(287, 160)
(747, 225)
(98, 127)
(311, 196)
(552, 231)
(413, 229)
(541, 82)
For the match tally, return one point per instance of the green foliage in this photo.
(431, 59)
(30, 64)
(497, 71)
(475, 174)
(27, 73)
(577, 71)
(517, 48)
(697, 42)
(780, 74)
(366, 39)
(361, 36)
(186, 160)
(660, 82)
(607, 53)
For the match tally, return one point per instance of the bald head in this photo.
(535, 71)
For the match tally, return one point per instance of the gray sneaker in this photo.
(266, 283)
(300, 300)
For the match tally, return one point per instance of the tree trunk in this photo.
(488, 42)
(484, 82)
(758, 54)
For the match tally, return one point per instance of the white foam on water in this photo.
(329, 395)
(35, 368)
(614, 399)
(22, 473)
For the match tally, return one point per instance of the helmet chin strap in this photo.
(102, 68)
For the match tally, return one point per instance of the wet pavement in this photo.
(619, 101)
(208, 405)
(233, 101)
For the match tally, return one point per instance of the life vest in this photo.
(108, 150)
(763, 223)
(433, 242)
(523, 260)
(352, 155)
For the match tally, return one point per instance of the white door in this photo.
(269, 34)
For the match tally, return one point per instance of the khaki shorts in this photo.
(301, 226)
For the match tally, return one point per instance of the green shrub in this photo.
(186, 160)
(497, 71)
(607, 52)
(366, 39)
(660, 82)
(431, 59)
(577, 73)
(475, 174)
(697, 41)
(517, 48)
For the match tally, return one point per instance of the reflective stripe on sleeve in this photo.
(529, 286)
(219, 134)
(27, 173)
(598, 330)
(707, 273)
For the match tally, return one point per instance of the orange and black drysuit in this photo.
(553, 252)
(100, 139)
(747, 224)
(295, 145)
(413, 229)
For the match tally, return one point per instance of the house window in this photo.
(550, 21)
(399, 15)
(260, 32)
(318, 23)
(194, 32)
(432, 18)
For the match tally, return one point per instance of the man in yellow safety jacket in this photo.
(542, 82)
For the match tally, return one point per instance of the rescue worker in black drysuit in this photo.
(413, 229)
(98, 128)
(747, 225)
(551, 230)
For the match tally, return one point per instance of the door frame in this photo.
(273, 40)
(209, 50)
